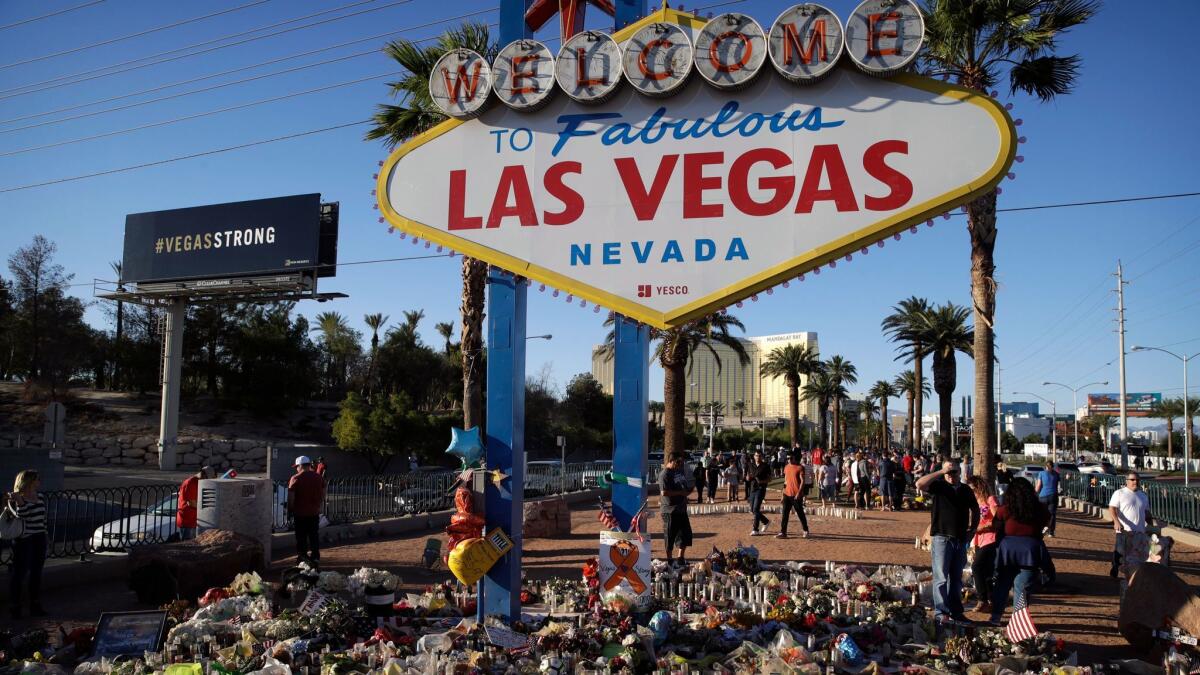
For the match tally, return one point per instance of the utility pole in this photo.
(1121, 363)
(999, 414)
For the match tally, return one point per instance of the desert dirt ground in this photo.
(1081, 608)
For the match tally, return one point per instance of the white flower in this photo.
(369, 577)
(332, 582)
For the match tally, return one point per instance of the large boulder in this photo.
(546, 518)
(259, 452)
(243, 444)
(187, 569)
(1156, 596)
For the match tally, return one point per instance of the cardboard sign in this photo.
(625, 564)
(313, 603)
(505, 638)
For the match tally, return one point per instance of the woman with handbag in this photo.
(29, 549)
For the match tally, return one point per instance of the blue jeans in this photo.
(949, 559)
(757, 495)
(1051, 504)
(186, 533)
(1016, 579)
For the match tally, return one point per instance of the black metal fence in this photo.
(1170, 502)
(102, 520)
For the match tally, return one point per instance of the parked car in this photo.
(422, 499)
(156, 525)
(1066, 466)
(1029, 472)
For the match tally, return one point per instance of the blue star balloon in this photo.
(466, 445)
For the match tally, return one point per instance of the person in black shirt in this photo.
(1004, 477)
(674, 487)
(953, 520)
(759, 477)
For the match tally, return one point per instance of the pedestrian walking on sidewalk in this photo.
(793, 495)
(759, 478)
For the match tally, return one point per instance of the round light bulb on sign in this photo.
(806, 42)
(884, 36)
(658, 59)
(460, 83)
(588, 68)
(730, 51)
(523, 75)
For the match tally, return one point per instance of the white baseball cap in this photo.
(302, 459)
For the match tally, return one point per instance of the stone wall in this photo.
(245, 455)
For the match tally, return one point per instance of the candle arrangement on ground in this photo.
(727, 613)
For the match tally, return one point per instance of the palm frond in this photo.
(1045, 76)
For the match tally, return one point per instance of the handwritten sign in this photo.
(506, 639)
(314, 602)
(625, 564)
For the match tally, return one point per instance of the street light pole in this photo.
(1187, 437)
(1053, 422)
(1075, 405)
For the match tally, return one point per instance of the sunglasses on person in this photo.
(1132, 480)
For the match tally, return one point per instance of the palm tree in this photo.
(906, 383)
(903, 326)
(656, 410)
(1101, 424)
(374, 322)
(821, 389)
(739, 407)
(693, 408)
(791, 362)
(1168, 409)
(841, 372)
(336, 334)
(867, 409)
(446, 330)
(881, 391)
(395, 124)
(1192, 404)
(945, 331)
(977, 43)
(114, 381)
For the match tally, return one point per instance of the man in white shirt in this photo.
(1130, 511)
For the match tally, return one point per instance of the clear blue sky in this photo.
(1127, 130)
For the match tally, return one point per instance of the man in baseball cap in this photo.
(306, 497)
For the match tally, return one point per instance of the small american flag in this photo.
(606, 517)
(236, 620)
(1020, 626)
(635, 525)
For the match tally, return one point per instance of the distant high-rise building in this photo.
(718, 375)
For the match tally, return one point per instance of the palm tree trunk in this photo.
(823, 413)
(908, 431)
(1170, 437)
(836, 432)
(944, 376)
(674, 376)
(981, 224)
(915, 425)
(474, 277)
(115, 382)
(794, 411)
(884, 436)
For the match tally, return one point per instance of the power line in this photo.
(133, 35)
(47, 16)
(6, 92)
(183, 157)
(252, 66)
(208, 113)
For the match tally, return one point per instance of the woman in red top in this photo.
(1020, 553)
(983, 567)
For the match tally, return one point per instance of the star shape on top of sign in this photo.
(684, 164)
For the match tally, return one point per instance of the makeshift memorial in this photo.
(471, 559)
(466, 445)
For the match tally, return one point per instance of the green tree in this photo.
(446, 330)
(379, 430)
(944, 332)
(739, 407)
(374, 322)
(821, 388)
(586, 405)
(903, 326)
(34, 274)
(341, 344)
(694, 408)
(1168, 409)
(793, 363)
(841, 372)
(881, 391)
(416, 113)
(978, 44)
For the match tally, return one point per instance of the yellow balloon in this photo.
(471, 559)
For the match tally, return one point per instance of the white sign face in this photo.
(883, 36)
(658, 59)
(806, 42)
(624, 565)
(589, 67)
(460, 83)
(730, 50)
(665, 210)
(523, 75)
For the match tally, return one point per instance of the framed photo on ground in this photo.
(129, 633)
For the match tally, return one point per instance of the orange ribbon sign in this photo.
(625, 556)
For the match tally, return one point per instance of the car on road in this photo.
(422, 499)
(1097, 467)
(156, 525)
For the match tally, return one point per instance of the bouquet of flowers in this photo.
(332, 582)
(365, 578)
(246, 583)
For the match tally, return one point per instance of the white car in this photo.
(156, 525)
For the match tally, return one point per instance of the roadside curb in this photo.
(1180, 535)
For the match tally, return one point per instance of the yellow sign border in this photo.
(761, 281)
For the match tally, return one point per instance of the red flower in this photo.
(526, 597)
(810, 620)
(783, 600)
(1059, 645)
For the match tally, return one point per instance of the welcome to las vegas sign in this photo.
(683, 164)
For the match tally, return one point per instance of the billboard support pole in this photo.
(500, 590)
(172, 363)
(631, 425)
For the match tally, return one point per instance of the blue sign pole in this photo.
(512, 20)
(500, 590)
(631, 425)
(627, 11)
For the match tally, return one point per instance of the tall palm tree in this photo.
(978, 43)
(821, 389)
(906, 383)
(1169, 409)
(693, 408)
(336, 334)
(114, 382)
(841, 372)
(945, 332)
(1192, 405)
(791, 362)
(867, 409)
(881, 391)
(656, 410)
(374, 322)
(416, 113)
(446, 330)
(739, 407)
(903, 326)
(1101, 424)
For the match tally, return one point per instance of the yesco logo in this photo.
(881, 37)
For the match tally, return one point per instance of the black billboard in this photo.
(281, 235)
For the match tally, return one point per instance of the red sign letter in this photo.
(459, 80)
(901, 187)
(581, 71)
(716, 62)
(645, 67)
(816, 43)
(458, 198)
(739, 179)
(874, 33)
(518, 74)
(513, 181)
(645, 202)
(695, 183)
(826, 159)
(572, 202)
